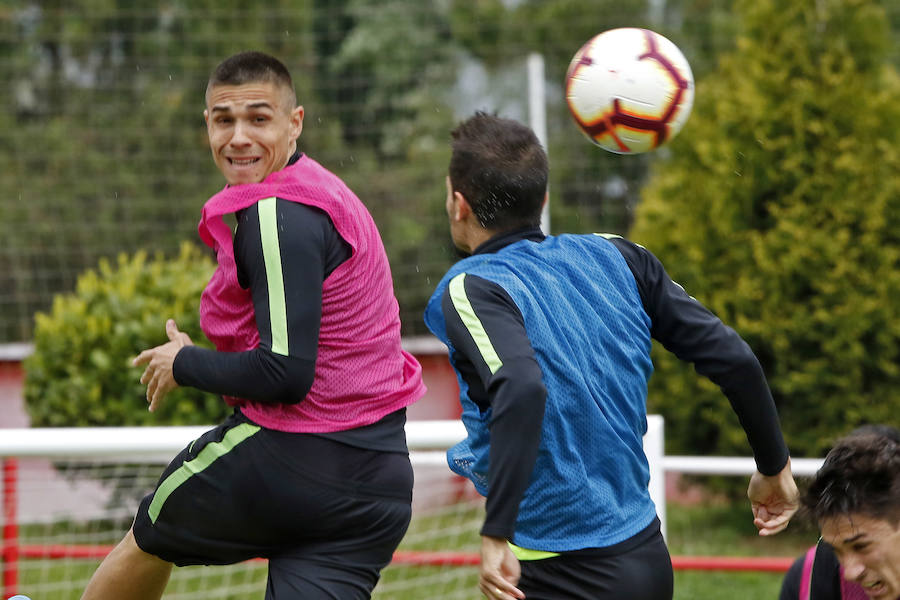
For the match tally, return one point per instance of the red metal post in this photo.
(9, 545)
(772, 564)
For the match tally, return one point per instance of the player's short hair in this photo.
(500, 167)
(252, 67)
(860, 476)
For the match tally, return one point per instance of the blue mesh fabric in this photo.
(591, 336)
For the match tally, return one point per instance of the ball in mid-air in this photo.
(630, 90)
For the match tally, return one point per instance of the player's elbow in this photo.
(734, 362)
(747, 364)
(294, 387)
(530, 392)
(534, 388)
(287, 379)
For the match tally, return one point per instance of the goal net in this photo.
(66, 503)
(70, 512)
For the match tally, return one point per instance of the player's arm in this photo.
(284, 250)
(496, 360)
(689, 330)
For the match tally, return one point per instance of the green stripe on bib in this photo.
(268, 231)
(473, 323)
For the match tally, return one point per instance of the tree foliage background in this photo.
(104, 142)
(776, 205)
(781, 212)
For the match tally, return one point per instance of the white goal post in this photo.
(69, 494)
(426, 440)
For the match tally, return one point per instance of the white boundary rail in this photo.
(427, 441)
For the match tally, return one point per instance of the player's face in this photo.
(869, 551)
(253, 129)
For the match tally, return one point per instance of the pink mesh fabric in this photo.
(362, 373)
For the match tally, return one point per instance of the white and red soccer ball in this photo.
(630, 90)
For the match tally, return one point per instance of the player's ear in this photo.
(462, 207)
(296, 122)
(206, 116)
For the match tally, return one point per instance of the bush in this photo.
(80, 373)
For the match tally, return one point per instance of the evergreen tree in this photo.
(779, 208)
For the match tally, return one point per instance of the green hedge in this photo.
(80, 372)
(779, 208)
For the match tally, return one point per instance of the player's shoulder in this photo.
(279, 204)
(618, 240)
(472, 286)
(270, 217)
(631, 250)
(303, 217)
(464, 279)
(642, 262)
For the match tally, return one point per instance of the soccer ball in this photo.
(630, 90)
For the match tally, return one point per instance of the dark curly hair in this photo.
(861, 475)
(501, 168)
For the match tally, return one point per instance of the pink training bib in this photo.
(362, 373)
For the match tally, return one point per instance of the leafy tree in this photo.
(106, 149)
(779, 208)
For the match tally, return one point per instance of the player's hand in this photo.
(158, 376)
(500, 570)
(774, 499)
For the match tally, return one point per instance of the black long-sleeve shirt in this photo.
(309, 254)
(517, 395)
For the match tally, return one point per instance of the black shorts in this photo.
(327, 515)
(638, 569)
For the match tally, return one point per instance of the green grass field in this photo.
(726, 529)
(716, 529)
(719, 528)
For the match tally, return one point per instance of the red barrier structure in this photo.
(679, 563)
(9, 548)
(11, 551)
(772, 564)
(456, 559)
